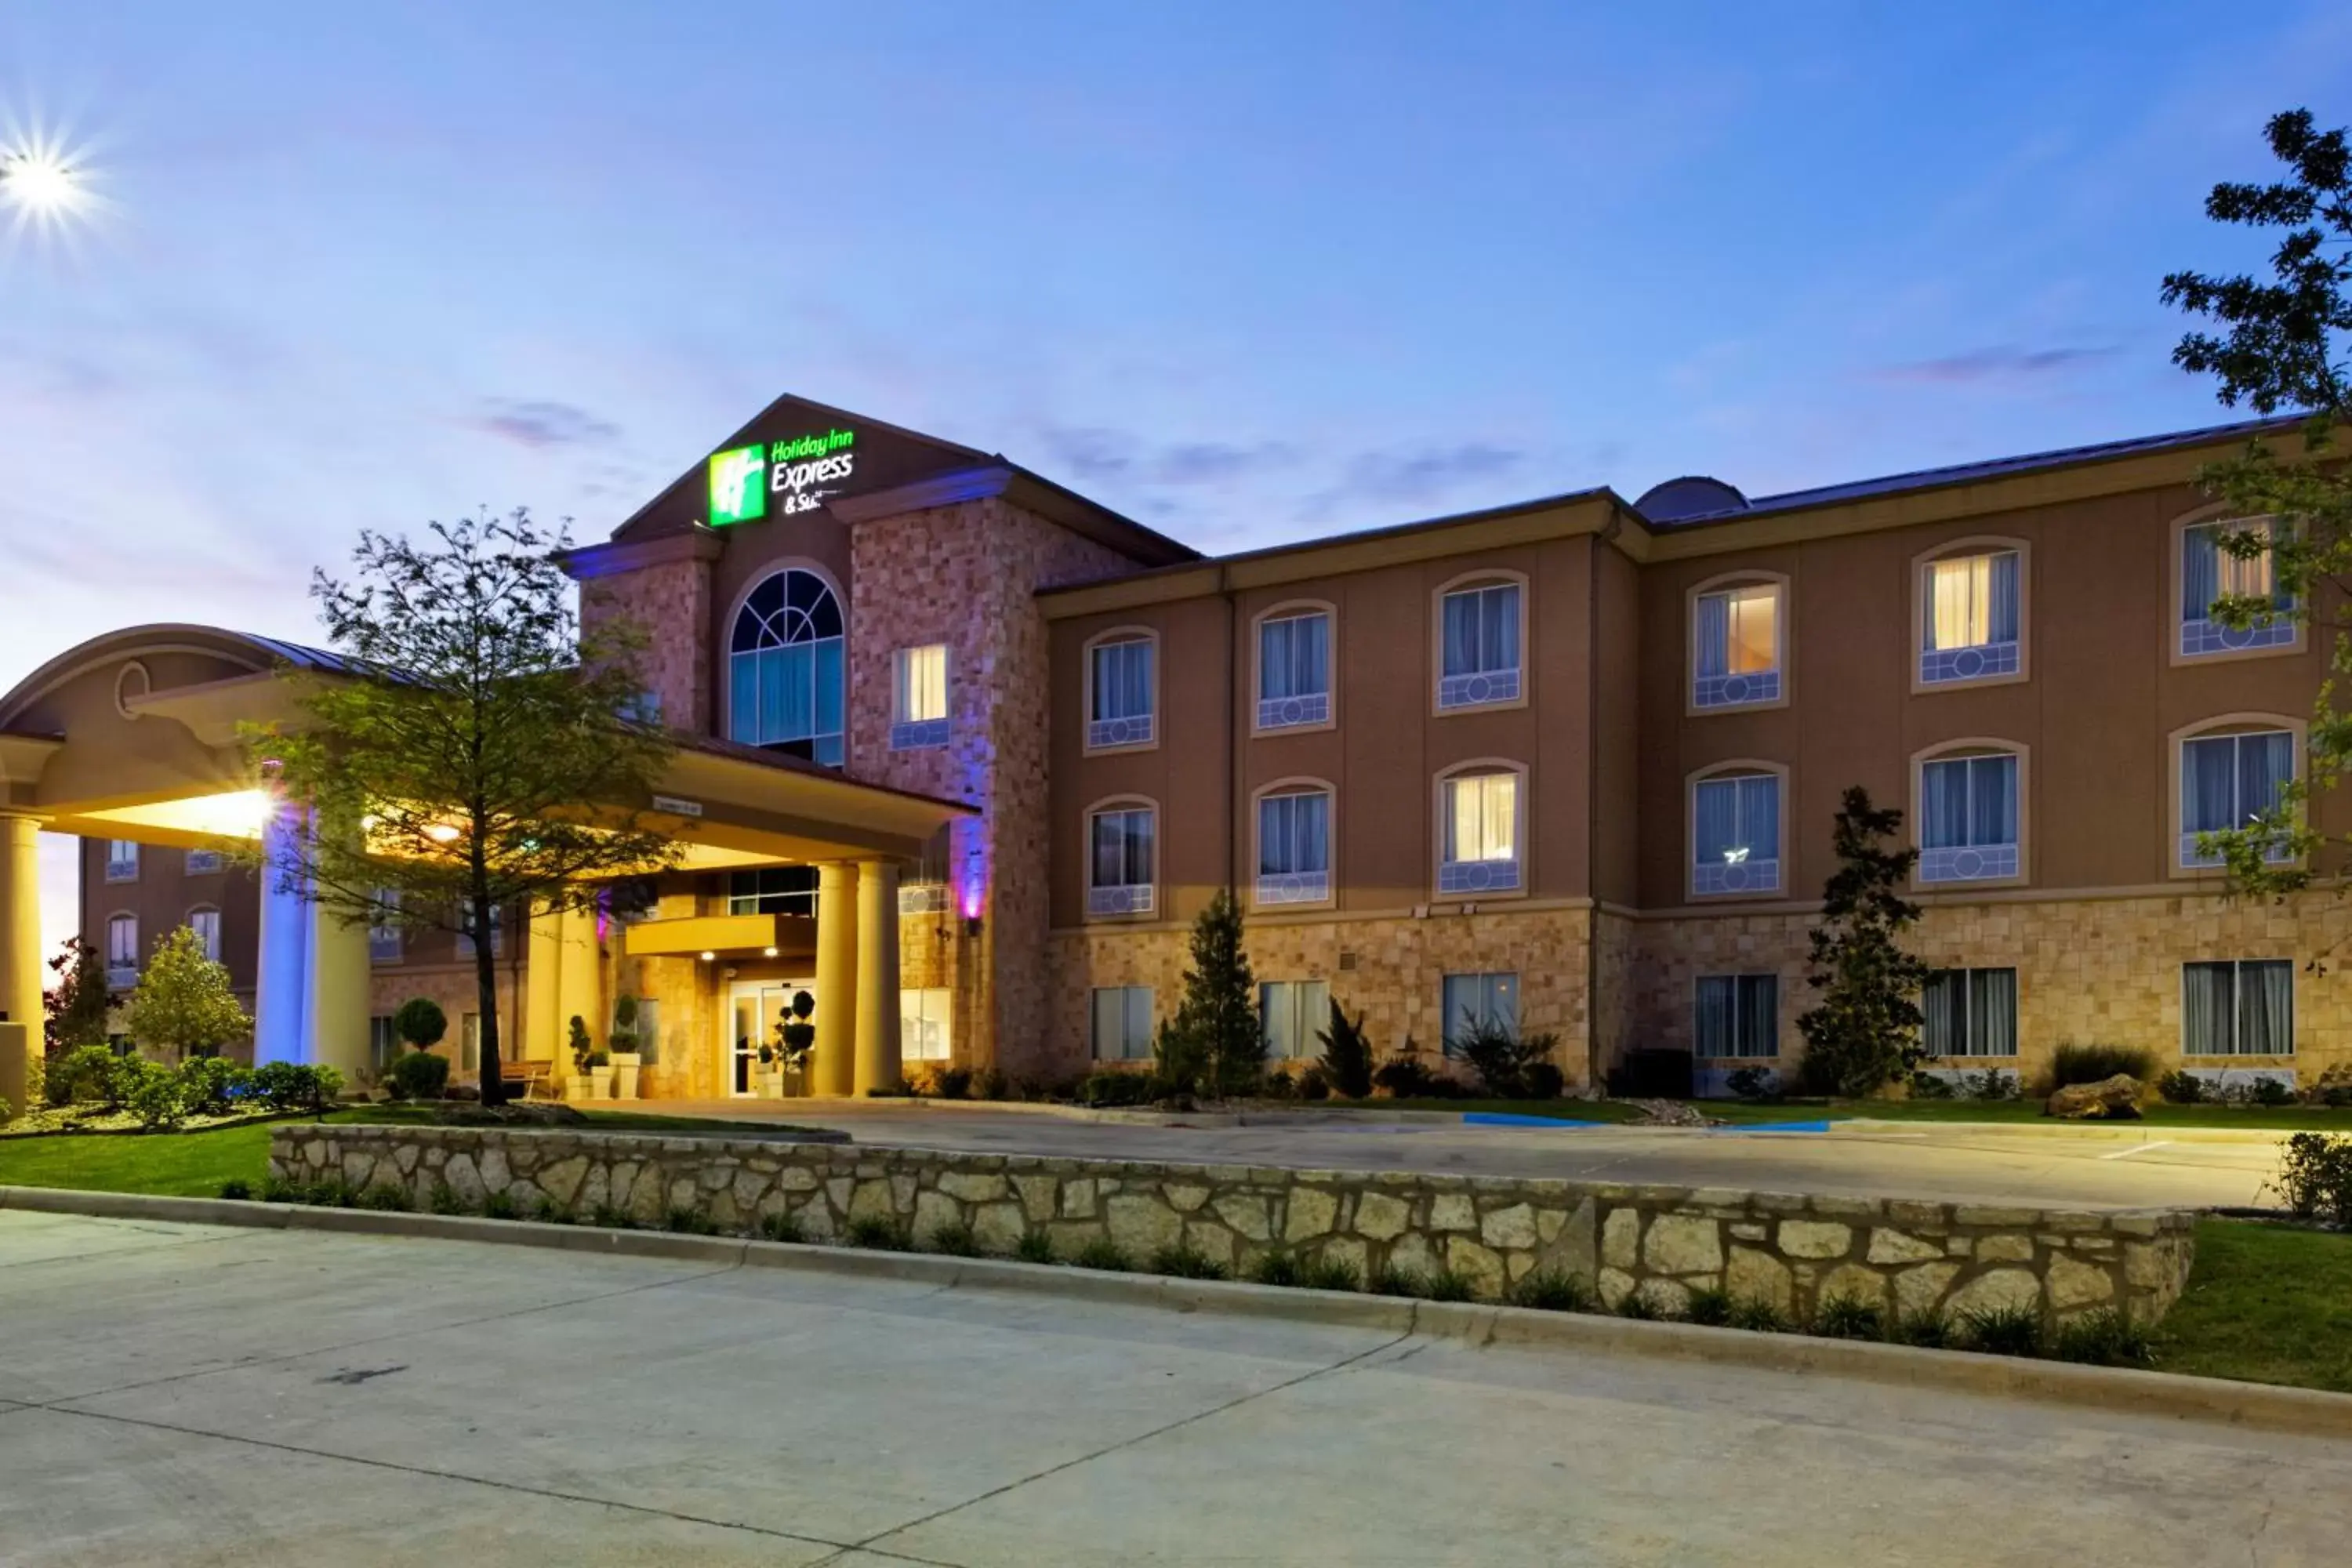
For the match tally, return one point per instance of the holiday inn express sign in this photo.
(801, 472)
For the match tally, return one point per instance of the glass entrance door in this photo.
(755, 1008)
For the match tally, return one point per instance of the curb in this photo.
(2086, 1132)
(2123, 1391)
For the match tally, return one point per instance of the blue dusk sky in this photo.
(1249, 273)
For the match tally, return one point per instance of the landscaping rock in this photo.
(2110, 1099)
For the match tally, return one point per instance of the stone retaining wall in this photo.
(1795, 1252)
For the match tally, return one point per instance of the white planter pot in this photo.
(624, 1073)
(600, 1083)
(575, 1090)
(772, 1085)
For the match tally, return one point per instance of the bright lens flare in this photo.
(47, 188)
(40, 183)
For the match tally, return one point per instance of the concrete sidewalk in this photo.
(2126, 1168)
(182, 1394)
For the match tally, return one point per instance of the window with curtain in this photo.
(1471, 1000)
(1478, 642)
(1970, 1012)
(2209, 572)
(919, 698)
(202, 862)
(2226, 781)
(469, 1043)
(121, 949)
(121, 860)
(1970, 619)
(1121, 1028)
(1293, 670)
(383, 1042)
(1293, 1013)
(385, 939)
(648, 1031)
(1119, 864)
(1736, 834)
(1481, 852)
(784, 666)
(206, 923)
(1735, 650)
(466, 931)
(1738, 1015)
(1119, 712)
(1294, 848)
(773, 891)
(2239, 1007)
(1968, 819)
(923, 1024)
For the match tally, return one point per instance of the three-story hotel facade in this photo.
(1570, 764)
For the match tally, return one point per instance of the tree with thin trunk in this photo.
(1218, 1021)
(182, 1005)
(2283, 350)
(1865, 1030)
(484, 753)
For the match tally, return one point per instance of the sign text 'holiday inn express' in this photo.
(800, 472)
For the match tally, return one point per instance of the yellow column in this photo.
(338, 993)
(878, 976)
(579, 988)
(544, 1027)
(20, 923)
(836, 978)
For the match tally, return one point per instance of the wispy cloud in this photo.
(1100, 455)
(540, 424)
(2001, 362)
(1410, 478)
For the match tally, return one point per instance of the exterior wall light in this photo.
(767, 952)
(708, 956)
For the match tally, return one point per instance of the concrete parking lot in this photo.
(177, 1393)
(2123, 1166)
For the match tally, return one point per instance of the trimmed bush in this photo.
(1116, 1088)
(2072, 1063)
(212, 1086)
(151, 1092)
(418, 1075)
(2181, 1087)
(296, 1085)
(85, 1074)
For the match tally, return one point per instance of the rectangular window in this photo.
(202, 862)
(648, 1031)
(2226, 781)
(923, 1024)
(1480, 851)
(918, 715)
(1292, 1013)
(1480, 647)
(1472, 1001)
(1120, 714)
(773, 891)
(121, 860)
(469, 1043)
(1122, 1023)
(122, 949)
(384, 942)
(1294, 848)
(466, 931)
(1119, 861)
(383, 1044)
(1736, 835)
(1738, 1015)
(1971, 620)
(1294, 671)
(1970, 1012)
(2243, 1007)
(1968, 819)
(206, 923)
(1737, 651)
(2208, 572)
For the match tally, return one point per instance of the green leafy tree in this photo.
(2280, 347)
(77, 1004)
(1865, 1032)
(485, 756)
(421, 1023)
(183, 1003)
(1218, 1019)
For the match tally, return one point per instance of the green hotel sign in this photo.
(800, 473)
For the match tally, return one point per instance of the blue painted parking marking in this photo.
(1507, 1119)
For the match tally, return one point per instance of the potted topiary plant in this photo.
(626, 1057)
(591, 1069)
(768, 1077)
(797, 1042)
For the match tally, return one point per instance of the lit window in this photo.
(919, 716)
(1294, 848)
(206, 923)
(773, 891)
(2210, 572)
(1971, 627)
(2226, 782)
(469, 1043)
(1737, 637)
(1121, 1022)
(1479, 647)
(121, 860)
(1293, 670)
(923, 1024)
(1736, 835)
(784, 669)
(1119, 861)
(2241, 1007)
(385, 1044)
(384, 943)
(1968, 819)
(1738, 1015)
(1481, 835)
(1475, 1002)
(466, 931)
(122, 949)
(1970, 1012)
(1121, 705)
(1294, 1013)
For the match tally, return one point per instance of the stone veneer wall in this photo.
(670, 603)
(1392, 970)
(2088, 970)
(1663, 1242)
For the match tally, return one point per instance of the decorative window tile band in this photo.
(1968, 863)
(922, 735)
(1937, 664)
(1736, 877)
(2201, 637)
(1737, 690)
(1289, 713)
(922, 898)
(1793, 1252)
(2277, 855)
(1135, 731)
(1456, 878)
(1293, 888)
(1135, 900)
(1478, 690)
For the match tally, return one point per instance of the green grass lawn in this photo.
(179, 1164)
(2265, 1303)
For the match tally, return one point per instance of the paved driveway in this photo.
(179, 1394)
(2125, 1168)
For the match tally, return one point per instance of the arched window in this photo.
(1737, 832)
(2231, 771)
(784, 669)
(205, 923)
(1968, 802)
